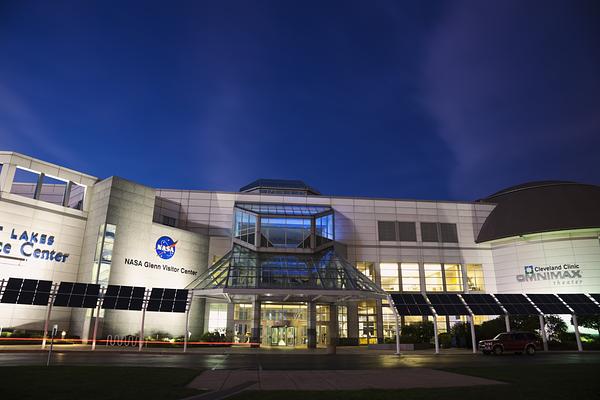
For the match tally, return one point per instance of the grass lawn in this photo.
(564, 381)
(86, 382)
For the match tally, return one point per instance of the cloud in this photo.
(514, 88)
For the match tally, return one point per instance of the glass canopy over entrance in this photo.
(284, 270)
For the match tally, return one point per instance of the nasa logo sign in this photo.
(165, 247)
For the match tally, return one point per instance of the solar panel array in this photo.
(167, 300)
(581, 304)
(27, 291)
(516, 304)
(549, 304)
(411, 304)
(596, 296)
(119, 297)
(78, 295)
(447, 304)
(482, 304)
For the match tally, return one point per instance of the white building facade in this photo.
(109, 231)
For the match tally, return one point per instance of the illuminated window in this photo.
(367, 322)
(367, 268)
(389, 277)
(342, 321)
(389, 322)
(411, 277)
(433, 277)
(441, 323)
(475, 277)
(413, 320)
(217, 317)
(454, 277)
(242, 312)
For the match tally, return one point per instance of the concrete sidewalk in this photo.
(405, 378)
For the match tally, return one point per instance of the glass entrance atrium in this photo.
(284, 267)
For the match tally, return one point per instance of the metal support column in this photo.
(507, 322)
(435, 334)
(397, 317)
(543, 332)
(187, 324)
(95, 333)
(473, 338)
(333, 329)
(50, 301)
(144, 305)
(311, 331)
(577, 336)
(255, 333)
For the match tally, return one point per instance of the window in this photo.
(217, 317)
(25, 183)
(407, 231)
(75, 198)
(441, 323)
(342, 321)
(433, 277)
(103, 254)
(387, 231)
(389, 322)
(242, 312)
(169, 221)
(324, 229)
(53, 190)
(429, 232)
(389, 277)
(244, 226)
(367, 268)
(454, 278)
(475, 277)
(367, 322)
(285, 232)
(449, 233)
(411, 277)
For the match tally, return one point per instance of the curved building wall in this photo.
(554, 262)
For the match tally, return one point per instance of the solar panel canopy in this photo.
(580, 304)
(411, 304)
(167, 300)
(549, 304)
(482, 304)
(596, 296)
(516, 304)
(27, 291)
(77, 295)
(119, 297)
(447, 304)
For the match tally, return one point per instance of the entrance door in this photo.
(282, 335)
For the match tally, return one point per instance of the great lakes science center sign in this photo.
(23, 245)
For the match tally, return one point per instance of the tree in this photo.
(589, 321)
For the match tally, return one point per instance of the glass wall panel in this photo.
(53, 190)
(24, 183)
(454, 277)
(242, 323)
(76, 195)
(285, 232)
(217, 317)
(343, 321)
(324, 229)
(367, 268)
(433, 277)
(475, 277)
(389, 277)
(389, 322)
(411, 277)
(367, 322)
(244, 226)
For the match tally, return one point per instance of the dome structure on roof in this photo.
(538, 207)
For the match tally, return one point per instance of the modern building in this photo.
(278, 262)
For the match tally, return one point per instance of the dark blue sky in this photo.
(415, 99)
